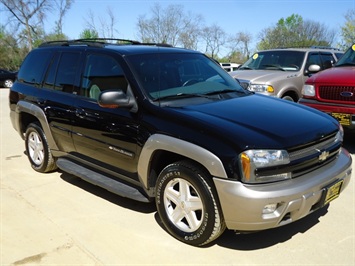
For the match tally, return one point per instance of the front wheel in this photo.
(37, 149)
(288, 98)
(187, 205)
(8, 83)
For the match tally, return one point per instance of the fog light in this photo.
(270, 208)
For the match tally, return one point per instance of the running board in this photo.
(100, 180)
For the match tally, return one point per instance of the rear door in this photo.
(59, 89)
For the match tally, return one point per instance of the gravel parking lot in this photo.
(57, 219)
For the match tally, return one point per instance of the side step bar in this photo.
(100, 180)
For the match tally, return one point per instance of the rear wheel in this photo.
(187, 205)
(37, 149)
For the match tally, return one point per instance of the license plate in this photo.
(332, 192)
(344, 119)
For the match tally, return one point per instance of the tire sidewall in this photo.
(34, 128)
(205, 230)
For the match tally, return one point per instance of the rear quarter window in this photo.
(34, 66)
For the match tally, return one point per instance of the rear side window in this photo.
(62, 72)
(34, 66)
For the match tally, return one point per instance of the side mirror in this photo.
(314, 68)
(116, 99)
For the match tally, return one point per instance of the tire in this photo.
(8, 83)
(187, 204)
(37, 149)
(288, 98)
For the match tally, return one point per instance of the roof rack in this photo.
(99, 42)
(325, 47)
(307, 47)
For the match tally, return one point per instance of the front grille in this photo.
(337, 93)
(307, 158)
(312, 149)
(314, 156)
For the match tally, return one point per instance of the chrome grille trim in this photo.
(314, 149)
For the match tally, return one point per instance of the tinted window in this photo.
(34, 66)
(313, 59)
(50, 77)
(348, 58)
(102, 73)
(62, 72)
(165, 75)
(66, 73)
(327, 60)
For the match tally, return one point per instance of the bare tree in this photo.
(28, 15)
(105, 28)
(214, 37)
(63, 6)
(239, 46)
(171, 25)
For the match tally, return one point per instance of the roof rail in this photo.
(312, 47)
(98, 42)
(325, 47)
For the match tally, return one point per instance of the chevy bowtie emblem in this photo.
(323, 156)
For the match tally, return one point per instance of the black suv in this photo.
(169, 125)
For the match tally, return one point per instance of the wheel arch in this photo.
(289, 91)
(160, 150)
(29, 113)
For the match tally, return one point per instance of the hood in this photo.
(344, 75)
(263, 76)
(258, 121)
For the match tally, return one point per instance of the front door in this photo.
(102, 136)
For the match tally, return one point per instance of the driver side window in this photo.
(101, 73)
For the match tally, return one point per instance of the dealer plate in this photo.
(332, 192)
(344, 119)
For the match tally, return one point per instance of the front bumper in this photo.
(242, 205)
(332, 108)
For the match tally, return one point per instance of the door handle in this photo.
(80, 113)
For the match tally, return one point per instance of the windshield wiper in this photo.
(182, 95)
(274, 66)
(245, 67)
(224, 91)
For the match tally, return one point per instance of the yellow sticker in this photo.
(255, 56)
(353, 47)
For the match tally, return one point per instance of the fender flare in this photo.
(162, 142)
(34, 110)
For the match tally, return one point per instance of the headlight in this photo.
(252, 160)
(308, 90)
(261, 88)
(340, 135)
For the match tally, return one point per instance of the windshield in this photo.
(275, 60)
(348, 59)
(173, 76)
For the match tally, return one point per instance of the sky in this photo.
(232, 16)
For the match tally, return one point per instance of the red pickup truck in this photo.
(333, 90)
